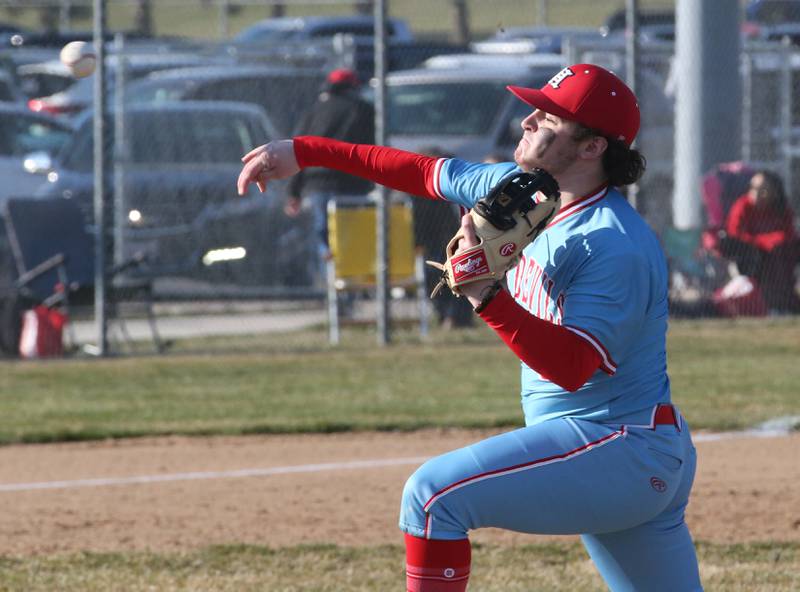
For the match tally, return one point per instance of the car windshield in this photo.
(175, 137)
(157, 91)
(259, 34)
(462, 108)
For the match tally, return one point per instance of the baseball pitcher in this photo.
(571, 278)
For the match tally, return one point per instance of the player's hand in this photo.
(275, 160)
(473, 291)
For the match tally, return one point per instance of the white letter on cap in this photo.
(556, 80)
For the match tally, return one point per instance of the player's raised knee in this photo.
(418, 488)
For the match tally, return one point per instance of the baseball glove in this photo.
(506, 221)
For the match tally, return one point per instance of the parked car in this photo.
(10, 91)
(178, 198)
(616, 21)
(44, 78)
(80, 95)
(285, 93)
(21, 133)
(277, 30)
(460, 108)
(534, 39)
(772, 20)
(772, 12)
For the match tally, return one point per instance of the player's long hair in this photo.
(623, 165)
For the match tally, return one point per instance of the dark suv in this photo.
(285, 93)
(177, 173)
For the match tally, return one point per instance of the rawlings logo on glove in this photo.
(472, 264)
(506, 221)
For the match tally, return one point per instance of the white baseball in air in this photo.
(79, 57)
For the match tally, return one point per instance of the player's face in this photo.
(547, 142)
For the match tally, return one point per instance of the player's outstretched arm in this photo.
(275, 160)
(404, 171)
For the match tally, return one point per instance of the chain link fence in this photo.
(192, 85)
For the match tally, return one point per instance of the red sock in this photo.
(437, 566)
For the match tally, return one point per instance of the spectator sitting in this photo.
(760, 237)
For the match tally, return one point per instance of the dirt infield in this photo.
(169, 494)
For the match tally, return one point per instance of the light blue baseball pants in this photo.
(624, 489)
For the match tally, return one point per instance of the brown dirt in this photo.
(746, 490)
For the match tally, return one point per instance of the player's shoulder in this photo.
(610, 224)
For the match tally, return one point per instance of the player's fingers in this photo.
(249, 174)
(244, 180)
(242, 183)
(257, 170)
(470, 239)
(254, 152)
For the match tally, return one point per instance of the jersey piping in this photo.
(608, 365)
(437, 189)
(579, 205)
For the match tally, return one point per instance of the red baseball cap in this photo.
(590, 95)
(343, 76)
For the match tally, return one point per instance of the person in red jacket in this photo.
(760, 237)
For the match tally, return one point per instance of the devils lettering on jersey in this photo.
(533, 289)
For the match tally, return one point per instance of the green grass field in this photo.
(725, 375)
(553, 567)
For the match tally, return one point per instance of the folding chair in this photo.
(352, 266)
(54, 257)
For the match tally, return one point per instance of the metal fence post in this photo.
(786, 112)
(382, 205)
(747, 106)
(100, 210)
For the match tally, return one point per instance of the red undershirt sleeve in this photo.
(555, 352)
(397, 169)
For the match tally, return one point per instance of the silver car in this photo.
(460, 104)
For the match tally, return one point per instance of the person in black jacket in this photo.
(435, 223)
(339, 113)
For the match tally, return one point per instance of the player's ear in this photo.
(593, 147)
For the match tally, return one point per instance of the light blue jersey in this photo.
(598, 462)
(599, 271)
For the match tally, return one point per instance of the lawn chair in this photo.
(54, 258)
(352, 266)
